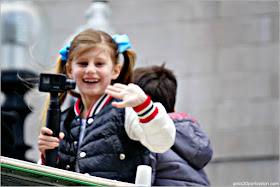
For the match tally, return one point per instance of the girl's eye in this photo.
(99, 63)
(83, 63)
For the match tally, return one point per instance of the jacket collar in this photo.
(96, 107)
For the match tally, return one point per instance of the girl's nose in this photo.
(90, 68)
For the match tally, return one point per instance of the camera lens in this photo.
(70, 84)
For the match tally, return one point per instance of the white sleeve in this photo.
(152, 126)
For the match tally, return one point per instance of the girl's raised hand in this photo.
(46, 142)
(131, 95)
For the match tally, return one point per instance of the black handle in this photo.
(53, 123)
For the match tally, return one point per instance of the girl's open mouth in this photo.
(91, 80)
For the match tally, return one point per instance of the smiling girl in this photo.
(113, 125)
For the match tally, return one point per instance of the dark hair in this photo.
(159, 83)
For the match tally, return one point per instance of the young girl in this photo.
(113, 124)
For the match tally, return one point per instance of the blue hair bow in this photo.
(122, 41)
(64, 52)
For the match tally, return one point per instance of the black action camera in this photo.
(54, 84)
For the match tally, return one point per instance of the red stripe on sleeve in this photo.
(150, 117)
(143, 105)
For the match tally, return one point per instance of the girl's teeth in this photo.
(91, 81)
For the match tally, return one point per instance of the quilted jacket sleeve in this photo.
(192, 144)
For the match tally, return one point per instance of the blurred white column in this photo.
(98, 17)
(25, 35)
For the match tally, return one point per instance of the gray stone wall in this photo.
(226, 58)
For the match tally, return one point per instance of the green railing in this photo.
(20, 173)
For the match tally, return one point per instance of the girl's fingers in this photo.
(118, 104)
(45, 147)
(42, 142)
(117, 87)
(48, 138)
(61, 135)
(131, 95)
(45, 130)
(120, 86)
(113, 93)
(113, 88)
(47, 142)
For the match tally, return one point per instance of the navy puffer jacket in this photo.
(106, 150)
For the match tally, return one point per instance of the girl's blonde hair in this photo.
(86, 41)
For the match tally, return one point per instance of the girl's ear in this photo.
(69, 71)
(116, 71)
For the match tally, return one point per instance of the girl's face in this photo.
(93, 71)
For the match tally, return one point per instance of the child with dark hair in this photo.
(159, 83)
(183, 163)
(113, 125)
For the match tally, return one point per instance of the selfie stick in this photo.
(54, 84)
(53, 123)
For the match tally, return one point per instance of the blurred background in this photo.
(225, 55)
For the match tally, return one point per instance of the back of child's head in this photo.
(159, 83)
